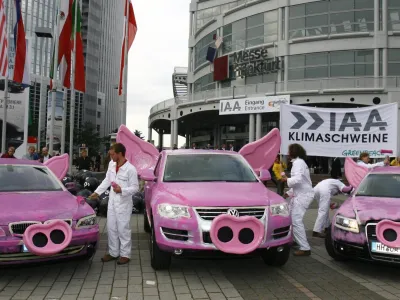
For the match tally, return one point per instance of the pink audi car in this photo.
(211, 200)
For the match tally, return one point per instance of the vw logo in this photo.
(233, 212)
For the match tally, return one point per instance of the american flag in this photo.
(3, 41)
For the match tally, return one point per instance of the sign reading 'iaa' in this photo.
(340, 132)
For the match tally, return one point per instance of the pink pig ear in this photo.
(139, 153)
(354, 172)
(261, 154)
(58, 165)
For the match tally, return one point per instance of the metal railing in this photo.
(291, 86)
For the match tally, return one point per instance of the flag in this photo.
(80, 82)
(3, 41)
(221, 68)
(130, 37)
(63, 35)
(218, 42)
(19, 44)
(211, 53)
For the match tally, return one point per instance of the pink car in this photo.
(211, 200)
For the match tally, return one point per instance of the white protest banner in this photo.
(340, 132)
(252, 105)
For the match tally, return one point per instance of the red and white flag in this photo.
(20, 46)
(3, 41)
(128, 37)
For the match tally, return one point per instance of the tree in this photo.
(138, 134)
(89, 136)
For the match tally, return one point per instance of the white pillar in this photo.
(150, 133)
(258, 126)
(176, 132)
(251, 127)
(172, 133)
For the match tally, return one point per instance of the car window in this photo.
(27, 179)
(207, 167)
(380, 185)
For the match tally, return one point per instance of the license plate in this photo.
(380, 248)
(24, 249)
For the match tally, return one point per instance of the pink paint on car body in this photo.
(33, 200)
(190, 193)
(367, 225)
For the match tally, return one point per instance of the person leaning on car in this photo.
(31, 155)
(123, 178)
(10, 153)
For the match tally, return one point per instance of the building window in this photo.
(98, 101)
(252, 31)
(99, 114)
(393, 62)
(201, 49)
(393, 15)
(331, 64)
(331, 17)
(204, 83)
(98, 128)
(204, 15)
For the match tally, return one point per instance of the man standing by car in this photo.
(45, 155)
(123, 178)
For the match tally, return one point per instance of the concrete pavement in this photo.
(314, 277)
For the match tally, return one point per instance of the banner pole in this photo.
(5, 102)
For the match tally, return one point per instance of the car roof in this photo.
(199, 151)
(386, 170)
(19, 162)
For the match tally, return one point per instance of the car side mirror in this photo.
(148, 175)
(265, 175)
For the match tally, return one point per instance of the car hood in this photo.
(43, 206)
(218, 194)
(371, 208)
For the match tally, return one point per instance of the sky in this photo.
(161, 44)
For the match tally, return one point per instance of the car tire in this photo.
(146, 224)
(160, 260)
(329, 246)
(274, 258)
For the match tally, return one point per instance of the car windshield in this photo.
(380, 185)
(16, 178)
(206, 168)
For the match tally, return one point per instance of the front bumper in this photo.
(84, 242)
(194, 234)
(362, 249)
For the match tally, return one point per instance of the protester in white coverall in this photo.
(302, 195)
(323, 193)
(364, 161)
(122, 176)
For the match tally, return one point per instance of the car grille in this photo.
(20, 227)
(175, 234)
(370, 230)
(210, 213)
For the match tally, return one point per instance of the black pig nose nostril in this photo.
(246, 236)
(390, 235)
(57, 236)
(40, 240)
(225, 234)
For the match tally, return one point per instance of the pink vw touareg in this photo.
(211, 200)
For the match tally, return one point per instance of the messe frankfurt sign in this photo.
(255, 62)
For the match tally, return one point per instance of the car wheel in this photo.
(273, 257)
(329, 246)
(160, 260)
(146, 224)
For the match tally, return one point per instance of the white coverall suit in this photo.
(302, 195)
(120, 207)
(370, 166)
(323, 193)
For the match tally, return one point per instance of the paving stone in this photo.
(199, 294)
(87, 293)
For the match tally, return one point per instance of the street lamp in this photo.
(42, 32)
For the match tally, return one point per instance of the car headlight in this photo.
(172, 211)
(280, 209)
(87, 221)
(347, 224)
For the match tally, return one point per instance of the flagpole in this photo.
(5, 102)
(64, 121)
(72, 114)
(54, 92)
(125, 87)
